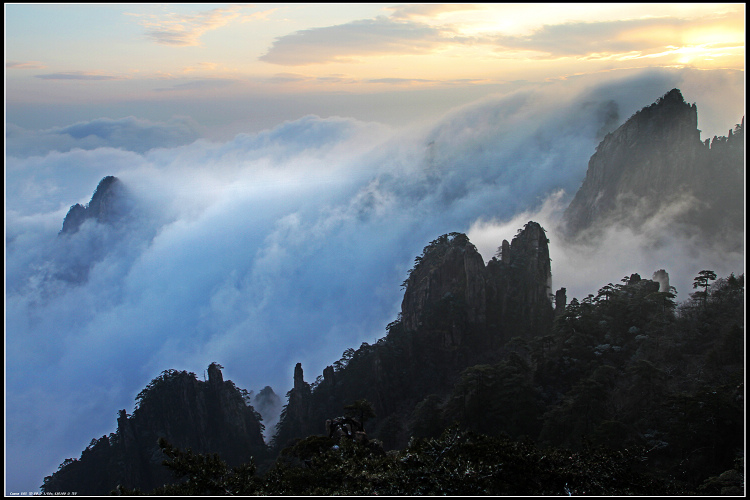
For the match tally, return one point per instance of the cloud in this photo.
(416, 30)
(367, 37)
(128, 133)
(283, 246)
(79, 75)
(281, 78)
(428, 10)
(202, 66)
(24, 65)
(583, 267)
(206, 83)
(632, 37)
(184, 30)
(400, 81)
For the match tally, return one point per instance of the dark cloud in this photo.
(128, 133)
(283, 246)
(349, 41)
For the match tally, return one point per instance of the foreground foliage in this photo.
(457, 463)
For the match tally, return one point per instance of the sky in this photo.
(287, 162)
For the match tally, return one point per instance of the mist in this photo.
(290, 244)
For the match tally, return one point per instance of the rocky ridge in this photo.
(655, 159)
(208, 417)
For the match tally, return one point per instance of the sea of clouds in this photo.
(288, 245)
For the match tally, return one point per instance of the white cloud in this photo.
(187, 29)
(366, 37)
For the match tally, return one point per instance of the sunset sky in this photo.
(288, 162)
(275, 60)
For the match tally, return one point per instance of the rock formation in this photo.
(456, 312)
(448, 277)
(89, 233)
(208, 417)
(662, 277)
(655, 159)
(108, 205)
(268, 404)
(296, 414)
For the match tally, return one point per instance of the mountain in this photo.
(457, 312)
(108, 205)
(489, 346)
(209, 417)
(478, 347)
(656, 159)
(89, 233)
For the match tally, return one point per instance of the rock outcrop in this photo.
(656, 159)
(509, 296)
(456, 312)
(208, 417)
(449, 277)
(520, 285)
(89, 233)
(108, 205)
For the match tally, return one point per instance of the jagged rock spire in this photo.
(107, 206)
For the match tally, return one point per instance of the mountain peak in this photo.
(107, 206)
(655, 158)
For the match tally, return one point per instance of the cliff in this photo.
(456, 313)
(208, 417)
(655, 159)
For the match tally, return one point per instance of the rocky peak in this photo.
(108, 205)
(519, 285)
(208, 417)
(215, 376)
(654, 159)
(662, 277)
(299, 378)
(649, 157)
(450, 280)
(450, 268)
(529, 249)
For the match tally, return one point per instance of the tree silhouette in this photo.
(361, 409)
(702, 281)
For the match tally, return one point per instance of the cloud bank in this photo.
(79, 75)
(417, 29)
(129, 133)
(283, 246)
(610, 38)
(366, 37)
